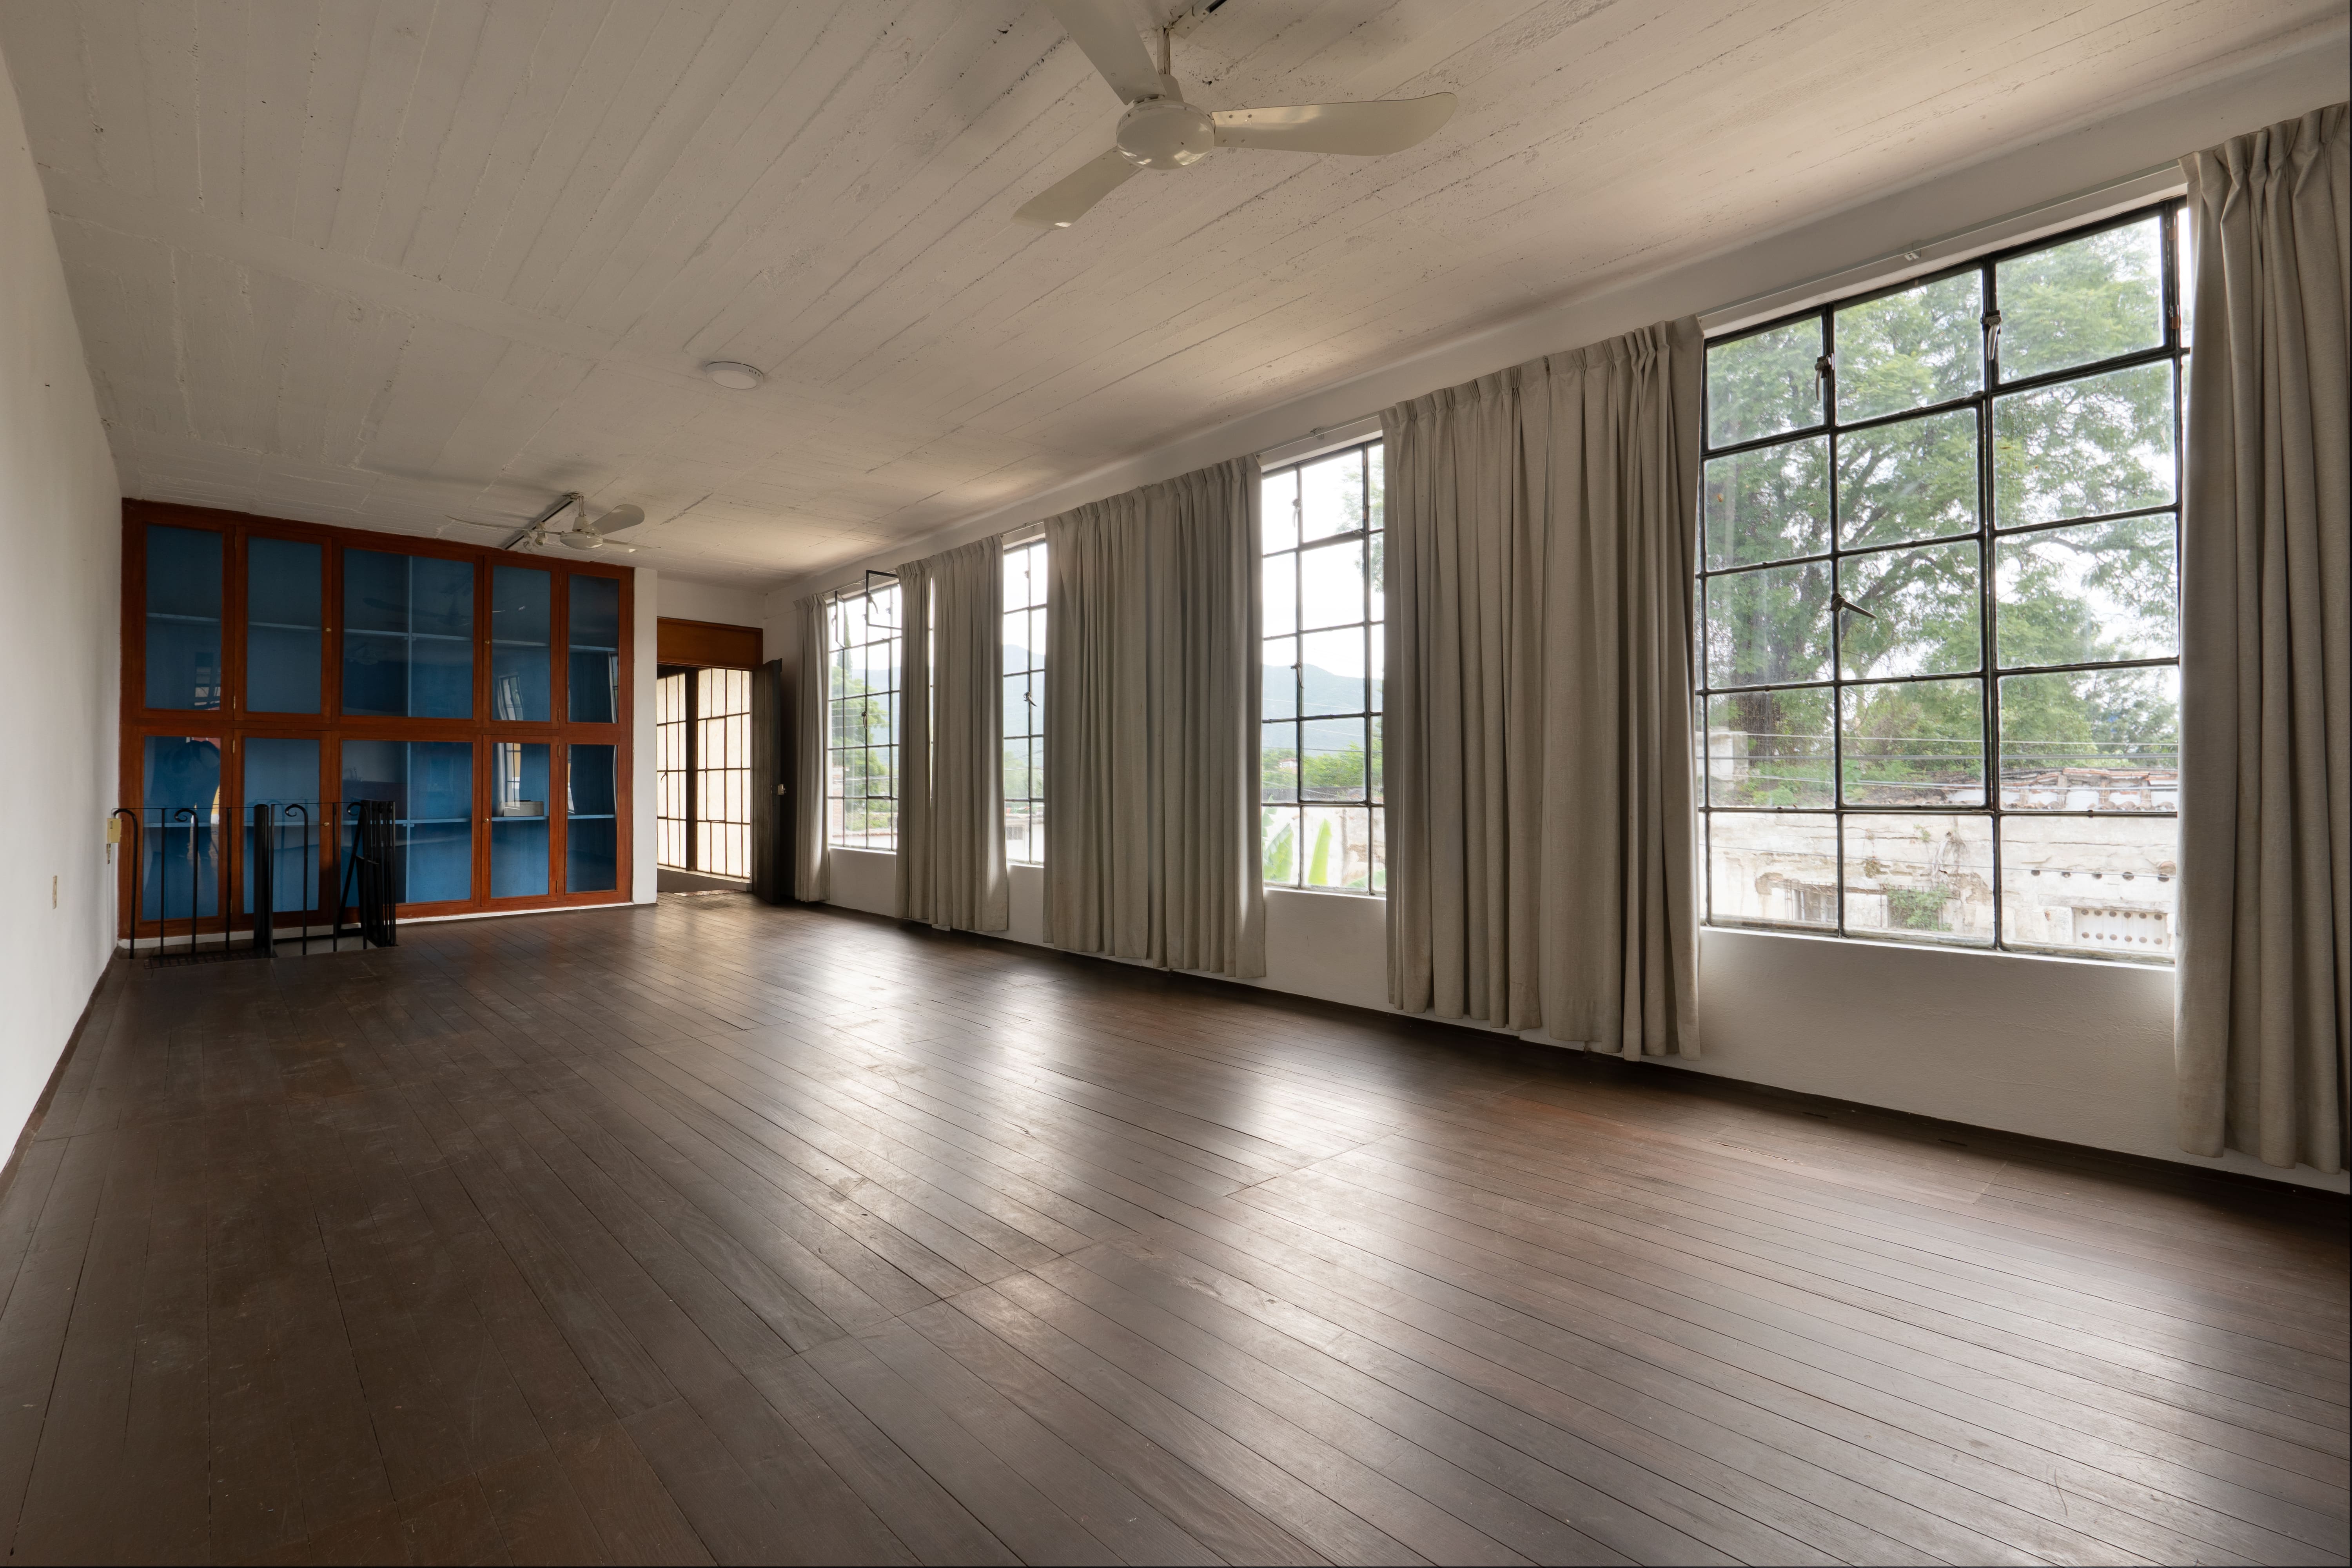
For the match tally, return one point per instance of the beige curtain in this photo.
(1152, 713)
(1538, 711)
(2266, 652)
(950, 861)
(811, 860)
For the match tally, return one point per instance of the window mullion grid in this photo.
(1988, 669)
(1827, 390)
(1988, 655)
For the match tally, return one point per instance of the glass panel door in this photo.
(408, 636)
(520, 633)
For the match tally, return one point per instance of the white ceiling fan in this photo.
(1160, 131)
(583, 534)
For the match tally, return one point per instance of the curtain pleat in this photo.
(1152, 713)
(2266, 652)
(1541, 528)
(967, 882)
(811, 715)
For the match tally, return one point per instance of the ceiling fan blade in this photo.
(1362, 129)
(1105, 31)
(1064, 203)
(619, 519)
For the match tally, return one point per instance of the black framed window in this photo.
(1023, 718)
(1939, 663)
(862, 737)
(1320, 816)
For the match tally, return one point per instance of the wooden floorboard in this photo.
(715, 1233)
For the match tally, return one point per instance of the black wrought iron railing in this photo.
(203, 886)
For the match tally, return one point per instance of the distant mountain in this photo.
(1321, 689)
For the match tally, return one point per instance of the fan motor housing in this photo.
(1165, 133)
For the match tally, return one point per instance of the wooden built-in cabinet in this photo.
(584, 730)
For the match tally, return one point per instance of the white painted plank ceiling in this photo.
(374, 263)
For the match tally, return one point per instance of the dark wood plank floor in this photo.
(711, 1232)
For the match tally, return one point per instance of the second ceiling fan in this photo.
(1160, 131)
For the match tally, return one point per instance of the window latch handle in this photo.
(1840, 602)
(1992, 335)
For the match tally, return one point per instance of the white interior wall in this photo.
(61, 534)
(686, 601)
(2079, 1051)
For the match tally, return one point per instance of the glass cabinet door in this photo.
(183, 618)
(518, 847)
(408, 636)
(284, 627)
(521, 631)
(595, 666)
(591, 821)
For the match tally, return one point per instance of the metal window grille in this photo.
(1938, 671)
(1320, 800)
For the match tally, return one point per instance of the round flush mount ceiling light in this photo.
(734, 377)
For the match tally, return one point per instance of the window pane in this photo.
(1279, 697)
(1331, 584)
(519, 833)
(1768, 626)
(284, 621)
(1278, 844)
(1331, 672)
(1915, 479)
(1776, 869)
(1914, 743)
(1278, 761)
(2100, 884)
(1279, 511)
(2089, 299)
(1332, 766)
(1919, 879)
(1924, 345)
(1279, 594)
(594, 671)
(2082, 449)
(519, 635)
(1769, 749)
(1337, 842)
(2097, 591)
(1331, 496)
(184, 618)
(1763, 384)
(2093, 740)
(1772, 504)
(1911, 612)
